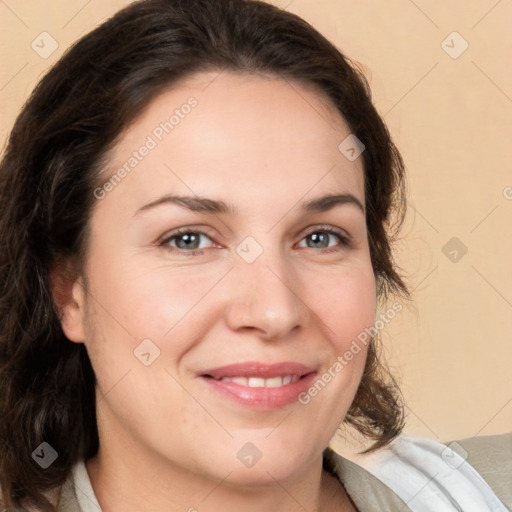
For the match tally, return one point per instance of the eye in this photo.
(323, 238)
(188, 240)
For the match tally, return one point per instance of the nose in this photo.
(266, 299)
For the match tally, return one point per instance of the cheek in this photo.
(149, 303)
(345, 306)
(345, 302)
(133, 312)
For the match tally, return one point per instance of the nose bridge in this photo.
(265, 298)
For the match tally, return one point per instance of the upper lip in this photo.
(258, 369)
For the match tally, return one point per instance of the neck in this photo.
(131, 484)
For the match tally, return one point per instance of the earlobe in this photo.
(69, 297)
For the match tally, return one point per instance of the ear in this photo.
(69, 296)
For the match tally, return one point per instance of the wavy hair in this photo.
(52, 162)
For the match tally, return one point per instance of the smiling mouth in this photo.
(258, 385)
(260, 382)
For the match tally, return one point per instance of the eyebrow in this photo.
(196, 204)
(200, 204)
(322, 204)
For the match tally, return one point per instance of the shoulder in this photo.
(428, 475)
(491, 456)
(365, 490)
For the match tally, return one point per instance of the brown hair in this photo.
(52, 163)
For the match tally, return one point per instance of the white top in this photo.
(83, 489)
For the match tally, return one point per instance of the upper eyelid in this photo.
(174, 233)
(342, 233)
(323, 227)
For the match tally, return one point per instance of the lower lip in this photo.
(265, 399)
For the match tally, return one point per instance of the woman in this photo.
(195, 203)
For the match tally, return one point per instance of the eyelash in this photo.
(345, 241)
(185, 231)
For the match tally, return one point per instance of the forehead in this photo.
(244, 136)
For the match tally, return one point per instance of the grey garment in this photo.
(491, 456)
(366, 492)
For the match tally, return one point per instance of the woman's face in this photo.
(228, 270)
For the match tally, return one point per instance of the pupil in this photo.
(188, 241)
(319, 239)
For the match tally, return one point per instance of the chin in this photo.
(266, 473)
(264, 460)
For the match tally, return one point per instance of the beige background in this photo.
(452, 120)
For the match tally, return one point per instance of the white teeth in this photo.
(275, 382)
(258, 382)
(243, 381)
